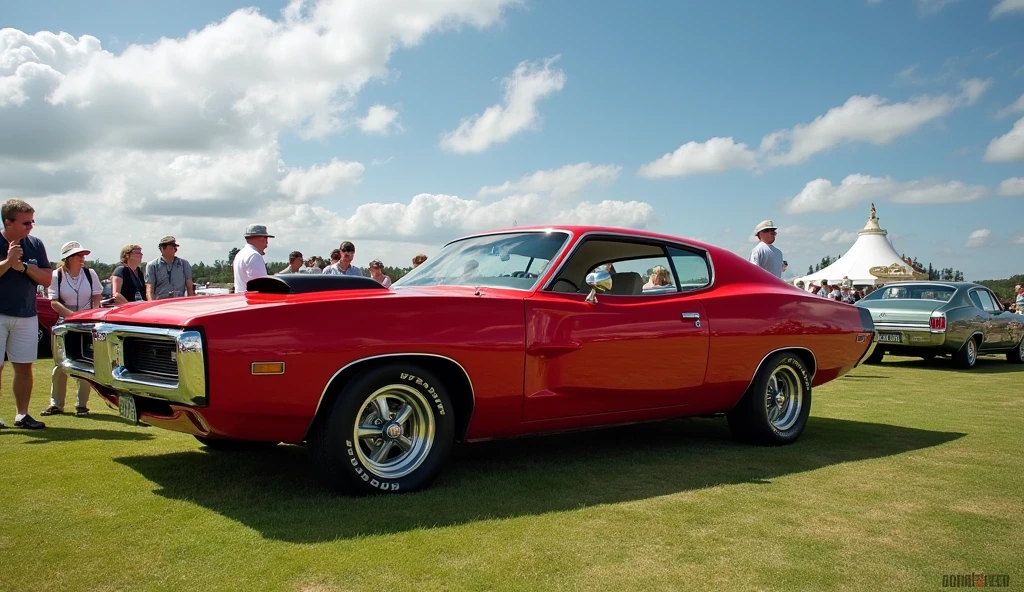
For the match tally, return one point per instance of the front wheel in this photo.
(774, 410)
(389, 430)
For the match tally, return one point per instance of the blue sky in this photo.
(913, 95)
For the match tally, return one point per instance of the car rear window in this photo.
(913, 292)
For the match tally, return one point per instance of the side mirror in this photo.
(599, 281)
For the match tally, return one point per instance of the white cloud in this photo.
(1005, 7)
(821, 195)
(442, 217)
(1008, 147)
(869, 119)
(1019, 240)
(839, 236)
(1012, 187)
(529, 83)
(302, 184)
(714, 156)
(380, 120)
(1015, 107)
(979, 238)
(181, 136)
(935, 191)
(559, 183)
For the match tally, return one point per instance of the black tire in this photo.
(1016, 355)
(967, 355)
(355, 450)
(235, 445)
(774, 410)
(876, 356)
(43, 349)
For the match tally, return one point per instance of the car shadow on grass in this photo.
(61, 434)
(275, 493)
(985, 364)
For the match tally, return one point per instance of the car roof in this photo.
(579, 230)
(931, 283)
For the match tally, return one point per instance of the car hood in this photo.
(183, 312)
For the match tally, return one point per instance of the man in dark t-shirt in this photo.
(23, 266)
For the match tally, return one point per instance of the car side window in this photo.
(651, 276)
(988, 301)
(976, 299)
(692, 269)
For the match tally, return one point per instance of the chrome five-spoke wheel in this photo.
(394, 431)
(784, 398)
(389, 429)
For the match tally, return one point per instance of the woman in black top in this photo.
(127, 283)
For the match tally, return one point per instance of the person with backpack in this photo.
(74, 287)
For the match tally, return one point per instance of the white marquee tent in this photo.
(871, 261)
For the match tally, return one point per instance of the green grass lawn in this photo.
(907, 471)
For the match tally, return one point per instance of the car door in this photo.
(1003, 323)
(992, 335)
(625, 352)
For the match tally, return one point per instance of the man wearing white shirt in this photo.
(249, 263)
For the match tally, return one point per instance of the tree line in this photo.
(946, 274)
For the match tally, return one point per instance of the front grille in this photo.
(155, 357)
(78, 346)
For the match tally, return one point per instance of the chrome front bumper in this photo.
(108, 367)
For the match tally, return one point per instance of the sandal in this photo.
(52, 410)
(81, 411)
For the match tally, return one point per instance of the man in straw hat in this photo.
(766, 255)
(249, 263)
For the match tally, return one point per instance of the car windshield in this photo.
(514, 260)
(913, 292)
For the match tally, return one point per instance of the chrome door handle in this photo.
(692, 316)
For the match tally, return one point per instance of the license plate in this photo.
(889, 337)
(126, 408)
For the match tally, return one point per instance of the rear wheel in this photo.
(389, 430)
(774, 410)
(876, 356)
(967, 355)
(1016, 356)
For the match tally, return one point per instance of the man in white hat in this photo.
(249, 263)
(766, 255)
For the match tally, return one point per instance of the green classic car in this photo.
(929, 319)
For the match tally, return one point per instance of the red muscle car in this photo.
(501, 334)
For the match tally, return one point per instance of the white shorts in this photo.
(19, 338)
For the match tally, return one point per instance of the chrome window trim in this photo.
(472, 391)
(540, 279)
(108, 361)
(659, 241)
